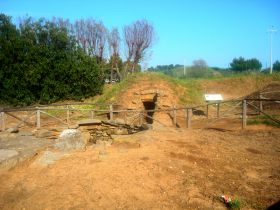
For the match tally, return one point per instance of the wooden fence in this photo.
(64, 113)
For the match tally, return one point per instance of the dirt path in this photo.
(176, 169)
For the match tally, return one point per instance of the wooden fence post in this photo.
(111, 111)
(218, 110)
(189, 116)
(207, 111)
(186, 116)
(260, 104)
(68, 115)
(125, 117)
(244, 114)
(92, 114)
(38, 119)
(174, 116)
(3, 126)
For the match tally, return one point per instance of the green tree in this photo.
(238, 64)
(241, 64)
(276, 66)
(253, 64)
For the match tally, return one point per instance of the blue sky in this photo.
(213, 30)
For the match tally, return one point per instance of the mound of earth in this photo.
(149, 88)
(270, 91)
(233, 88)
(151, 92)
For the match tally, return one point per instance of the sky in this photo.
(186, 30)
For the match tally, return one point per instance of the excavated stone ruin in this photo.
(103, 130)
(151, 99)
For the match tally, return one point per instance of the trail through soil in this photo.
(165, 169)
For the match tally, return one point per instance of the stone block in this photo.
(74, 126)
(89, 122)
(13, 130)
(43, 133)
(72, 139)
(120, 131)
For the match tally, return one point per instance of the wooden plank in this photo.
(53, 117)
(12, 115)
(145, 115)
(68, 115)
(267, 115)
(218, 110)
(186, 117)
(111, 111)
(25, 119)
(125, 117)
(174, 116)
(260, 104)
(38, 119)
(92, 114)
(189, 116)
(3, 125)
(244, 114)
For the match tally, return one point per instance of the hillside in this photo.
(182, 92)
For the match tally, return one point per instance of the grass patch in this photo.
(110, 94)
(264, 120)
(234, 204)
(188, 90)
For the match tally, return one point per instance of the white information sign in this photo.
(213, 97)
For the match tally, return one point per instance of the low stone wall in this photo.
(103, 130)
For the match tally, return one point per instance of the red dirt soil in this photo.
(164, 169)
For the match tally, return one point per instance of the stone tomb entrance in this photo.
(149, 101)
(149, 105)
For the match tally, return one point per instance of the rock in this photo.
(149, 91)
(102, 155)
(120, 131)
(127, 145)
(103, 144)
(47, 158)
(120, 121)
(54, 129)
(8, 159)
(74, 126)
(86, 136)
(146, 126)
(99, 143)
(72, 139)
(13, 130)
(43, 133)
(115, 123)
(7, 153)
(6, 136)
(25, 133)
(89, 122)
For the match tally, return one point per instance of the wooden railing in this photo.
(236, 108)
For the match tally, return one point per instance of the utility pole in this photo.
(271, 31)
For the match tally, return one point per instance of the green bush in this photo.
(41, 62)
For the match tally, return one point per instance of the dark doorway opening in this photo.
(149, 105)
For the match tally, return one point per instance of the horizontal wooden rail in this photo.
(110, 112)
